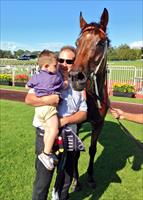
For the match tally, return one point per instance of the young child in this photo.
(48, 81)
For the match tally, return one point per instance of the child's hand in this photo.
(65, 84)
(26, 86)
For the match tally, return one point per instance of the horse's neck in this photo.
(93, 98)
(100, 81)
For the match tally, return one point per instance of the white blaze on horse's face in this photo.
(88, 36)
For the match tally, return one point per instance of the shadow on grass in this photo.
(117, 148)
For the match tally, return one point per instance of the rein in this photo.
(138, 143)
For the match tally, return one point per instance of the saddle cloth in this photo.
(71, 141)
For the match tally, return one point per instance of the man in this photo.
(73, 110)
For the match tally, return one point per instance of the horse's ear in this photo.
(104, 19)
(82, 21)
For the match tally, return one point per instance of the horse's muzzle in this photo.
(78, 80)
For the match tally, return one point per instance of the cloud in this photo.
(53, 46)
(136, 45)
(14, 46)
(8, 46)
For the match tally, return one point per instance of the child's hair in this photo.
(46, 57)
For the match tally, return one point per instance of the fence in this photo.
(125, 74)
(17, 70)
(120, 74)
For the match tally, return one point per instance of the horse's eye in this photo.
(101, 43)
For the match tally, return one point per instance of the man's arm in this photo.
(76, 118)
(133, 117)
(120, 114)
(33, 100)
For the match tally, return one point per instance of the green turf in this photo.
(13, 88)
(117, 164)
(135, 63)
(126, 99)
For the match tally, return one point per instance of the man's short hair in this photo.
(70, 48)
(46, 57)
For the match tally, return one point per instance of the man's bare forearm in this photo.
(33, 100)
(120, 114)
(134, 117)
(76, 118)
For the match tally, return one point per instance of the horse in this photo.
(89, 72)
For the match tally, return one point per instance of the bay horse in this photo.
(90, 72)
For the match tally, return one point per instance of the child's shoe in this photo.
(47, 161)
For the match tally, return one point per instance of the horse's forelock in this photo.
(94, 24)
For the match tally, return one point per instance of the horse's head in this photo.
(91, 51)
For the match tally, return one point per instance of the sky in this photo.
(44, 24)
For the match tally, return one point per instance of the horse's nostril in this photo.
(81, 76)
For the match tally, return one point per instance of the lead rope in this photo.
(138, 143)
(125, 130)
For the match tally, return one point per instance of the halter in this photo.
(89, 28)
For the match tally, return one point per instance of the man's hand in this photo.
(75, 118)
(63, 121)
(117, 113)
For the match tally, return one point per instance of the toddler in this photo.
(48, 81)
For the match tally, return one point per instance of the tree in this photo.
(5, 54)
(18, 53)
(123, 52)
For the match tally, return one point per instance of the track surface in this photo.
(20, 96)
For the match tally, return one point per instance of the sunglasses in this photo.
(68, 61)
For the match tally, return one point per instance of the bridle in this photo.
(93, 75)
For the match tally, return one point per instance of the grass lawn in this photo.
(13, 88)
(118, 163)
(126, 99)
(135, 63)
